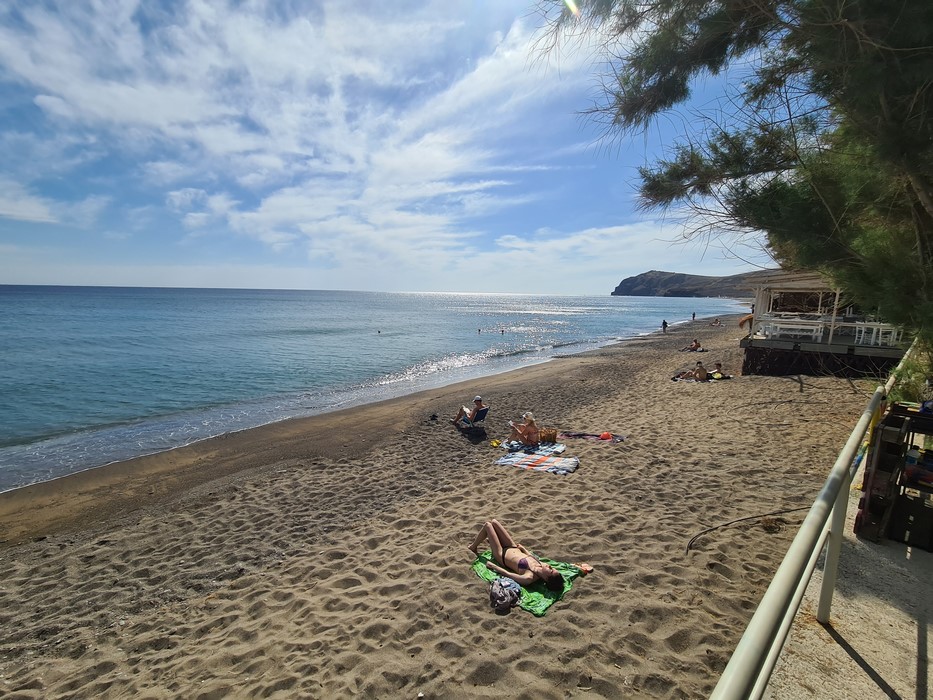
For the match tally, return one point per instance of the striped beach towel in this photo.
(541, 462)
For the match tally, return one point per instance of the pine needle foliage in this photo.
(825, 145)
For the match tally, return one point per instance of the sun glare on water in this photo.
(572, 6)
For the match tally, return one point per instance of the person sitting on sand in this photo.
(718, 373)
(698, 373)
(468, 415)
(716, 322)
(513, 560)
(693, 347)
(525, 432)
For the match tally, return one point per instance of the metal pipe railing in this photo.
(831, 566)
(749, 669)
(775, 651)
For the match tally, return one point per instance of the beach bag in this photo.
(547, 435)
(504, 594)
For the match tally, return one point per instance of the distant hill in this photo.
(676, 284)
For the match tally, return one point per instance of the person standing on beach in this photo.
(693, 316)
(664, 326)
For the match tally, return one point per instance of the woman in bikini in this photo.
(513, 560)
(526, 432)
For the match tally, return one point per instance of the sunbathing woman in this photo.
(525, 433)
(513, 560)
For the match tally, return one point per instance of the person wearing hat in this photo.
(469, 413)
(525, 432)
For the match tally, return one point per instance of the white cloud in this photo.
(590, 261)
(85, 213)
(186, 199)
(16, 202)
(369, 139)
(56, 106)
(163, 172)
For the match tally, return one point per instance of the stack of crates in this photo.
(912, 514)
(898, 483)
(911, 519)
(885, 461)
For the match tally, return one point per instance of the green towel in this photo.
(536, 599)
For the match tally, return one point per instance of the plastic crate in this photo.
(912, 519)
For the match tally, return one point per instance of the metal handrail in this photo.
(750, 667)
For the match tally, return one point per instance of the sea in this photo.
(95, 375)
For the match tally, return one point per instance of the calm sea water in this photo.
(92, 375)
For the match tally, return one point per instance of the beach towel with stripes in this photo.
(541, 462)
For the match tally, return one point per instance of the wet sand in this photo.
(327, 557)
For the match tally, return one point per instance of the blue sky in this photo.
(404, 146)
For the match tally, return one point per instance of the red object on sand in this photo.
(606, 436)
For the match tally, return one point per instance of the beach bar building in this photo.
(802, 324)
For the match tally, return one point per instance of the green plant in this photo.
(913, 377)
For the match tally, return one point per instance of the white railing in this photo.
(749, 670)
(809, 330)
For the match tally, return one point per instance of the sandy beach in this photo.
(327, 557)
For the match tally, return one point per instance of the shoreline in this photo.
(327, 556)
(347, 398)
(138, 476)
(177, 463)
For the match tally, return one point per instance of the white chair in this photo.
(860, 329)
(889, 335)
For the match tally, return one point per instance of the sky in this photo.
(319, 144)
